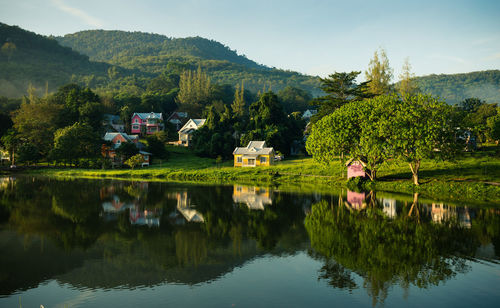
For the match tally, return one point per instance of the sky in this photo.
(313, 37)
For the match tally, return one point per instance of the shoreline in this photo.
(453, 191)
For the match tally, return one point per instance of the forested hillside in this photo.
(155, 54)
(457, 87)
(27, 57)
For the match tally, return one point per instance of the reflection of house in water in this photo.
(116, 205)
(185, 208)
(389, 207)
(254, 197)
(356, 200)
(444, 213)
(145, 217)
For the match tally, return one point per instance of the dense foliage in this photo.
(376, 129)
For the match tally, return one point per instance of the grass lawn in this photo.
(473, 177)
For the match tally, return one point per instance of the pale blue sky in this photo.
(312, 37)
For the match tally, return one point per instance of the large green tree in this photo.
(75, 142)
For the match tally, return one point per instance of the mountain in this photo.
(26, 57)
(454, 88)
(156, 54)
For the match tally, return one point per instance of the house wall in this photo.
(354, 170)
(139, 123)
(269, 160)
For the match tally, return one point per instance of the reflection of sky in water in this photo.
(268, 281)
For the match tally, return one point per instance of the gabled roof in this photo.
(128, 138)
(192, 124)
(254, 148)
(148, 115)
(177, 115)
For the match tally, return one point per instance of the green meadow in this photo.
(472, 177)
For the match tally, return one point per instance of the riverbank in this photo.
(473, 177)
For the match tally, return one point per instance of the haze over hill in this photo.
(126, 62)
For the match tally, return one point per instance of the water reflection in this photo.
(256, 198)
(108, 235)
(388, 242)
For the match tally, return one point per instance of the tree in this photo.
(28, 153)
(194, 91)
(357, 129)
(494, 127)
(269, 122)
(78, 141)
(379, 74)
(407, 84)
(340, 89)
(156, 146)
(420, 127)
(134, 161)
(36, 121)
(385, 126)
(127, 150)
(294, 99)
(238, 105)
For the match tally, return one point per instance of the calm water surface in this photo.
(92, 243)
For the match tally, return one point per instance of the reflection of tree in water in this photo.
(404, 251)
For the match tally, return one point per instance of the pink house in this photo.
(146, 123)
(355, 168)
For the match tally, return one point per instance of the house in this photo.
(146, 123)
(116, 140)
(186, 132)
(177, 118)
(355, 167)
(254, 154)
(146, 156)
(113, 122)
(308, 114)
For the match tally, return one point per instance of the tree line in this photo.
(375, 121)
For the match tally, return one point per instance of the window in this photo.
(135, 127)
(118, 141)
(239, 159)
(263, 160)
(136, 120)
(251, 161)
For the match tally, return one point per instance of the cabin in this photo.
(116, 140)
(186, 132)
(177, 119)
(355, 167)
(254, 154)
(146, 123)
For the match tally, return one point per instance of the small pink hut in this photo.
(355, 167)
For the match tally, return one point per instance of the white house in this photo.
(186, 132)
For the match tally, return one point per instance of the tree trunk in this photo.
(414, 166)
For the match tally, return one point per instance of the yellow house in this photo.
(254, 154)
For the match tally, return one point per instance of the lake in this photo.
(103, 243)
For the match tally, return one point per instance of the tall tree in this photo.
(194, 91)
(407, 85)
(238, 105)
(379, 73)
(340, 88)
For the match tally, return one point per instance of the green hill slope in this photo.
(155, 54)
(456, 87)
(26, 57)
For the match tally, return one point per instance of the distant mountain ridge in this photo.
(120, 61)
(111, 46)
(457, 87)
